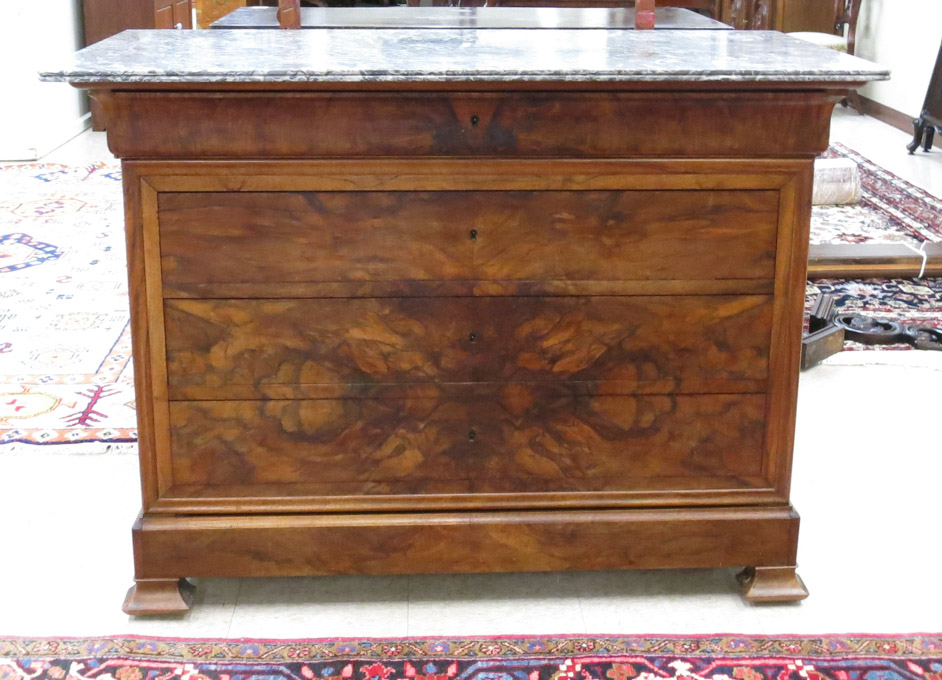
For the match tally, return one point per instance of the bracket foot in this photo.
(149, 597)
(772, 584)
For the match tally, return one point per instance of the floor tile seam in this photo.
(235, 605)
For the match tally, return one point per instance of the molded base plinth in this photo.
(772, 584)
(159, 596)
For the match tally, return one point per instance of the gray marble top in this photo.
(469, 17)
(458, 55)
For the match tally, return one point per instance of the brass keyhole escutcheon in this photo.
(472, 435)
(475, 119)
(472, 336)
(473, 234)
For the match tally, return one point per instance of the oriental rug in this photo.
(65, 346)
(891, 210)
(723, 657)
(66, 379)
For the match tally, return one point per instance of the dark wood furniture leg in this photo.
(930, 117)
(927, 140)
(824, 338)
(920, 133)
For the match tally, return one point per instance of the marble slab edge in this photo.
(459, 55)
(419, 77)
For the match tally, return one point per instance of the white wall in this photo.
(904, 36)
(36, 117)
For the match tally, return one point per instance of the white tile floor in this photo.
(867, 481)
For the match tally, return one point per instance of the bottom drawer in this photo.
(515, 441)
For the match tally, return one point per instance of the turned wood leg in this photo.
(152, 596)
(918, 132)
(772, 584)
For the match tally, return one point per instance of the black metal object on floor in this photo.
(828, 330)
(930, 119)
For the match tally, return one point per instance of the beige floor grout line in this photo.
(234, 606)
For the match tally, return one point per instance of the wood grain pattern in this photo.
(576, 125)
(624, 342)
(295, 237)
(224, 345)
(715, 491)
(243, 349)
(461, 235)
(627, 235)
(460, 173)
(283, 545)
(785, 348)
(429, 289)
(513, 443)
(140, 218)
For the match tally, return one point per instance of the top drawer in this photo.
(370, 236)
(514, 124)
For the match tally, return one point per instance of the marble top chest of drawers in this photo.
(460, 321)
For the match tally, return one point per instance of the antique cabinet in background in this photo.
(172, 14)
(778, 15)
(751, 14)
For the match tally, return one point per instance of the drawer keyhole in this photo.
(475, 120)
(472, 336)
(472, 435)
(473, 234)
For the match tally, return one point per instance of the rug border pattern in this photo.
(508, 647)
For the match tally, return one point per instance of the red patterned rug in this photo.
(891, 210)
(724, 657)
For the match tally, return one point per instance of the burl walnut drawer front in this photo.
(294, 348)
(367, 236)
(513, 442)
